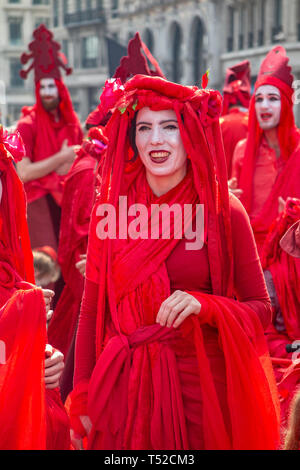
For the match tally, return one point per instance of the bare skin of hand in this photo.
(81, 265)
(176, 308)
(281, 204)
(54, 366)
(68, 154)
(48, 296)
(76, 438)
(233, 187)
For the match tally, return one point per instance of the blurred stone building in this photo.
(18, 19)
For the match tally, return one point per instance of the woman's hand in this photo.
(48, 296)
(76, 439)
(81, 265)
(176, 308)
(54, 366)
(233, 187)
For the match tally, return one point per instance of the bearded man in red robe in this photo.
(236, 99)
(50, 131)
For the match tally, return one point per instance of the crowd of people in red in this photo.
(133, 342)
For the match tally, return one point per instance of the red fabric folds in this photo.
(22, 387)
(136, 392)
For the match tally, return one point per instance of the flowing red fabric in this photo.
(22, 387)
(47, 140)
(13, 223)
(285, 269)
(78, 198)
(132, 352)
(234, 127)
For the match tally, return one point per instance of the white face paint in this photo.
(48, 88)
(159, 143)
(49, 93)
(268, 106)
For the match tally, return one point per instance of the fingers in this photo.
(232, 183)
(54, 366)
(176, 308)
(49, 315)
(281, 204)
(81, 265)
(76, 440)
(236, 192)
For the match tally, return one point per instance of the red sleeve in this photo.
(249, 280)
(237, 159)
(85, 349)
(26, 129)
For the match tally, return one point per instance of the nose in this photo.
(265, 103)
(156, 135)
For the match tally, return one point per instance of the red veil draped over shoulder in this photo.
(133, 282)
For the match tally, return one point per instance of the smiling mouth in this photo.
(159, 156)
(265, 116)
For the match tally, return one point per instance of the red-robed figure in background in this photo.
(236, 99)
(31, 413)
(50, 130)
(267, 163)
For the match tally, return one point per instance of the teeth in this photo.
(159, 154)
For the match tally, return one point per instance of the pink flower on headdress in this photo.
(12, 145)
(112, 91)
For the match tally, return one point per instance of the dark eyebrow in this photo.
(160, 122)
(269, 94)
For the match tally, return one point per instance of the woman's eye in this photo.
(171, 127)
(143, 128)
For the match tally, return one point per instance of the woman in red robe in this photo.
(32, 415)
(166, 357)
(267, 164)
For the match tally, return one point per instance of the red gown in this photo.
(167, 404)
(234, 127)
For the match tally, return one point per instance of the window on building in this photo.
(241, 27)
(39, 21)
(14, 1)
(55, 13)
(176, 54)
(230, 37)
(78, 5)
(40, 2)
(15, 31)
(90, 49)
(88, 4)
(262, 16)
(114, 7)
(251, 24)
(277, 28)
(298, 20)
(15, 79)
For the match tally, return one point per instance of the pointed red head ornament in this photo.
(136, 62)
(237, 86)
(46, 56)
(275, 70)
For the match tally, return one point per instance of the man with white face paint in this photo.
(51, 133)
(266, 165)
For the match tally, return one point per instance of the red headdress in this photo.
(14, 230)
(136, 62)
(274, 71)
(45, 55)
(237, 87)
(49, 251)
